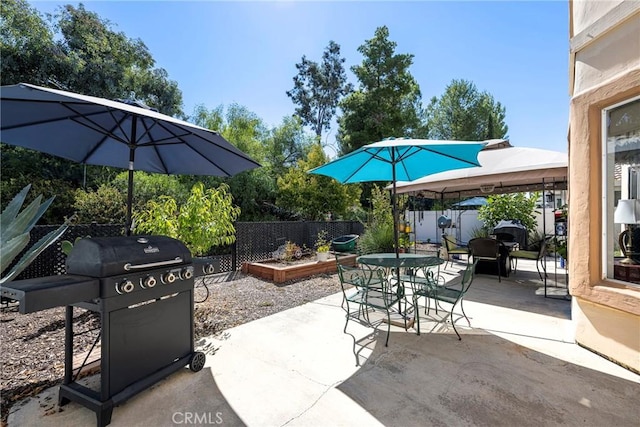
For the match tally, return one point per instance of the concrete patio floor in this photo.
(517, 364)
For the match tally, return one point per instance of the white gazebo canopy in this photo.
(504, 169)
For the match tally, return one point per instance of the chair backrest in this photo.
(543, 247)
(449, 242)
(485, 247)
(467, 276)
(352, 276)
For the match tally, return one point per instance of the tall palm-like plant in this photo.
(15, 227)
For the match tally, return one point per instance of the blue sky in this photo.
(245, 52)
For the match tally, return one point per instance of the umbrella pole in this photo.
(394, 207)
(132, 155)
(129, 197)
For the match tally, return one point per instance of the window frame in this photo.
(607, 246)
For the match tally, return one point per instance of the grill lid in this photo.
(110, 256)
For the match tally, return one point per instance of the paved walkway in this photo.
(516, 365)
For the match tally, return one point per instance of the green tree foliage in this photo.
(378, 233)
(49, 175)
(314, 195)
(516, 206)
(78, 51)
(106, 205)
(27, 49)
(466, 114)
(318, 88)
(387, 102)
(247, 131)
(287, 144)
(205, 220)
(148, 186)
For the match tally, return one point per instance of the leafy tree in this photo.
(77, 51)
(387, 102)
(49, 175)
(148, 186)
(317, 88)
(27, 49)
(466, 114)
(516, 206)
(106, 205)
(80, 52)
(203, 221)
(314, 195)
(247, 131)
(287, 144)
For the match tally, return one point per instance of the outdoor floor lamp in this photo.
(627, 212)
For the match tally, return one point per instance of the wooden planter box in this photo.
(278, 273)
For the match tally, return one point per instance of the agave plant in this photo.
(15, 225)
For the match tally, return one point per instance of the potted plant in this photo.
(322, 246)
(404, 242)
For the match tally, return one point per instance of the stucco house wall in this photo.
(604, 70)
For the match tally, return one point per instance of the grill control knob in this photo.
(169, 277)
(186, 273)
(149, 282)
(209, 269)
(125, 286)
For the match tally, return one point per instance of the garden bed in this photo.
(278, 271)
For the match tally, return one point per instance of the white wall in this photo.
(426, 224)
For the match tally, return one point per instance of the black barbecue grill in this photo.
(142, 287)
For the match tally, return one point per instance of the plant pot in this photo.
(322, 256)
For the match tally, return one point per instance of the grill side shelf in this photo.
(48, 292)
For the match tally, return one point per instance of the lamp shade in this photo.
(627, 212)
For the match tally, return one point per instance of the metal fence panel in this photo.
(255, 241)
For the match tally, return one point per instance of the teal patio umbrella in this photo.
(400, 159)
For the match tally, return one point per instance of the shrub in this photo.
(378, 233)
(106, 205)
(204, 221)
(509, 206)
(377, 238)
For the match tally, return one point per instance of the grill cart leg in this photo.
(68, 351)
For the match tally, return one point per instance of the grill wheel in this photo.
(197, 361)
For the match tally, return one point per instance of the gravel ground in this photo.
(32, 346)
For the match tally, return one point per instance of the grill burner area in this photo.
(142, 286)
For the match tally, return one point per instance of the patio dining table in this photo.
(393, 263)
(406, 260)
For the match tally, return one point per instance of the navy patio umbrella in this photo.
(121, 134)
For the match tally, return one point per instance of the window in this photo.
(621, 195)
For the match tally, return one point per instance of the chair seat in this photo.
(533, 255)
(447, 294)
(458, 250)
(485, 258)
(375, 298)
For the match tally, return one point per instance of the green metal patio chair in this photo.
(454, 248)
(533, 255)
(451, 293)
(369, 290)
